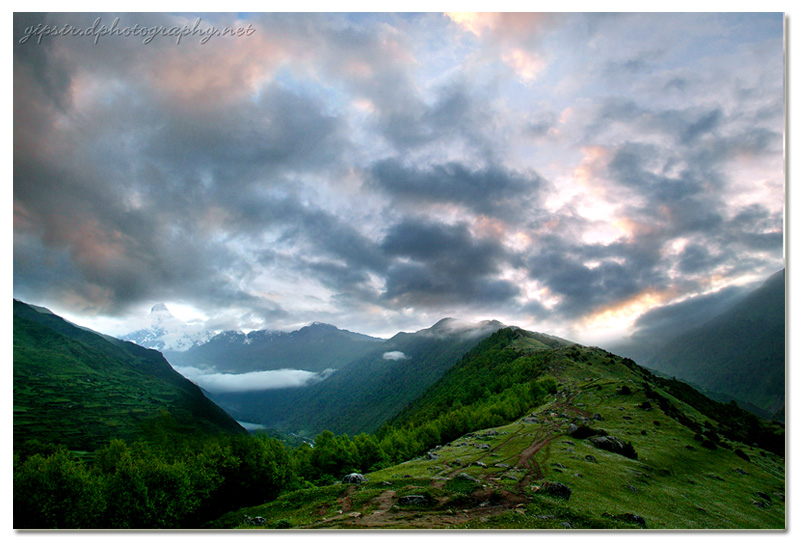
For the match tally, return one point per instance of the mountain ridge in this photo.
(726, 352)
(92, 387)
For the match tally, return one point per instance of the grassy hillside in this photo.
(80, 389)
(676, 460)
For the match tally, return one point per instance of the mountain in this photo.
(166, 332)
(740, 352)
(656, 328)
(79, 388)
(367, 391)
(316, 347)
(528, 431)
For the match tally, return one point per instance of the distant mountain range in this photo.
(738, 352)
(367, 388)
(315, 347)
(80, 388)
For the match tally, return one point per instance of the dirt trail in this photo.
(489, 500)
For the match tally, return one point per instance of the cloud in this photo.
(491, 190)
(443, 264)
(394, 355)
(218, 383)
(388, 169)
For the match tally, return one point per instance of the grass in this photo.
(674, 483)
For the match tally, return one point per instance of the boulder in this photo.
(354, 478)
(630, 518)
(615, 445)
(583, 431)
(414, 499)
(556, 489)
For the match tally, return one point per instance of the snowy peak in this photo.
(163, 331)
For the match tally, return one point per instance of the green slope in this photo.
(741, 353)
(79, 388)
(683, 460)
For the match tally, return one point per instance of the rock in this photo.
(354, 478)
(386, 483)
(556, 489)
(631, 518)
(354, 515)
(597, 417)
(431, 456)
(571, 429)
(530, 420)
(613, 444)
(466, 477)
(741, 471)
(590, 458)
(505, 466)
(414, 499)
(568, 443)
(483, 446)
(566, 524)
(479, 464)
(559, 465)
(490, 433)
(764, 496)
(583, 431)
(255, 521)
(741, 454)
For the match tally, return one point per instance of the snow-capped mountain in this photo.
(163, 331)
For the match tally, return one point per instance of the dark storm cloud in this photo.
(438, 263)
(129, 193)
(561, 268)
(492, 190)
(50, 73)
(248, 143)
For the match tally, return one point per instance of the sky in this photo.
(567, 173)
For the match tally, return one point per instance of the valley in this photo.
(513, 429)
